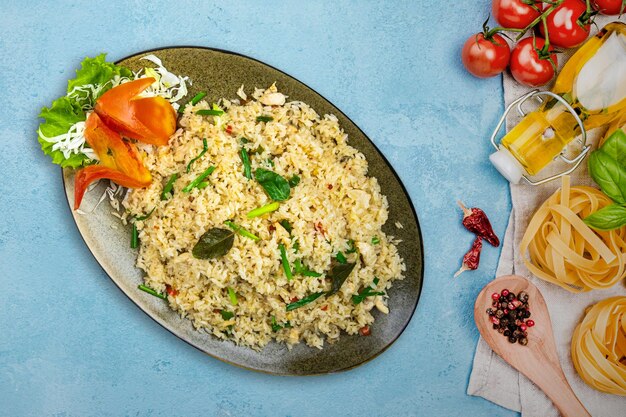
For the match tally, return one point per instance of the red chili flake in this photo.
(217, 310)
(171, 291)
(294, 299)
(365, 331)
(320, 228)
(229, 129)
(329, 186)
(271, 227)
(472, 257)
(475, 220)
(324, 307)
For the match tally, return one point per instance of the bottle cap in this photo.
(507, 165)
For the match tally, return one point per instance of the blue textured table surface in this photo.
(71, 344)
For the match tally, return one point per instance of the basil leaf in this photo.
(293, 181)
(609, 175)
(227, 315)
(214, 243)
(306, 300)
(607, 218)
(339, 273)
(615, 146)
(274, 185)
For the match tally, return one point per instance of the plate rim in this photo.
(171, 329)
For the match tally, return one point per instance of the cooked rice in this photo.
(335, 201)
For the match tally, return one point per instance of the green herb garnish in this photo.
(276, 327)
(351, 247)
(209, 112)
(306, 300)
(293, 181)
(240, 230)
(146, 216)
(264, 119)
(286, 225)
(341, 258)
(152, 292)
(339, 273)
(233, 296)
(214, 243)
(245, 159)
(199, 180)
(167, 190)
(205, 148)
(227, 315)
(295, 246)
(274, 185)
(285, 262)
(270, 162)
(134, 237)
(196, 99)
(300, 269)
(375, 240)
(367, 292)
(268, 208)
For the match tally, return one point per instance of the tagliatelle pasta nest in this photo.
(560, 248)
(599, 346)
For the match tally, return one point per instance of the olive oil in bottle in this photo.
(593, 83)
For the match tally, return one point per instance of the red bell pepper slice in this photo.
(148, 119)
(91, 173)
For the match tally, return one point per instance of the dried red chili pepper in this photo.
(472, 257)
(475, 220)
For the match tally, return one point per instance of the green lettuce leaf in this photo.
(66, 111)
(97, 71)
(58, 119)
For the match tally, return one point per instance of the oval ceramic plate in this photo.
(221, 73)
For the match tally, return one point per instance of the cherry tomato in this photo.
(568, 25)
(610, 7)
(515, 13)
(485, 57)
(527, 67)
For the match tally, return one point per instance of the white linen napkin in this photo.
(491, 377)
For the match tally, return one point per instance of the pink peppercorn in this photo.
(505, 292)
(495, 296)
(530, 323)
(522, 327)
(495, 320)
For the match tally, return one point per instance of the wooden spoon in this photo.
(537, 360)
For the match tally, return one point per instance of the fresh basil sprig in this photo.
(274, 185)
(607, 167)
(607, 218)
(214, 243)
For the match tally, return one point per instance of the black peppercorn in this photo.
(495, 326)
(512, 315)
(510, 297)
(512, 339)
(507, 333)
(526, 314)
(504, 322)
(523, 296)
(499, 314)
(523, 341)
(504, 305)
(500, 329)
(517, 333)
(502, 299)
(490, 311)
(512, 327)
